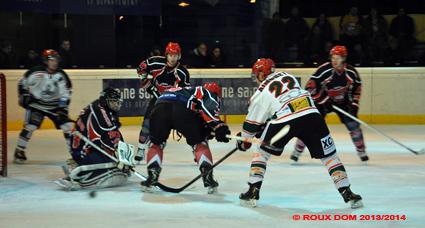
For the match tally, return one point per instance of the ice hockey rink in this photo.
(392, 183)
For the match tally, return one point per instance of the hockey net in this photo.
(3, 127)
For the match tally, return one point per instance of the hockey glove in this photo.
(63, 103)
(354, 109)
(221, 131)
(208, 132)
(242, 146)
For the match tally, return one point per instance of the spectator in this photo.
(296, 34)
(274, 37)
(66, 54)
(325, 27)
(320, 33)
(30, 60)
(217, 59)
(5, 55)
(351, 34)
(155, 51)
(375, 28)
(402, 29)
(198, 57)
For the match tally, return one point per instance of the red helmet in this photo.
(339, 50)
(266, 66)
(213, 87)
(50, 54)
(173, 48)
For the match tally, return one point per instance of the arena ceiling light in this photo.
(184, 4)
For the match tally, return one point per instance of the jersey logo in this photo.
(328, 145)
(299, 104)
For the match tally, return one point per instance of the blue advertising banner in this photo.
(235, 91)
(108, 7)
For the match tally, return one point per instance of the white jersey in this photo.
(47, 90)
(279, 98)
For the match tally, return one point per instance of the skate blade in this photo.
(294, 159)
(150, 189)
(356, 204)
(212, 190)
(19, 161)
(248, 203)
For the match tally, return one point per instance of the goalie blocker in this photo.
(99, 124)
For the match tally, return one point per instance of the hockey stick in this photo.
(422, 151)
(137, 174)
(45, 111)
(85, 139)
(178, 190)
(274, 139)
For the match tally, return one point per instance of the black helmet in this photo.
(111, 99)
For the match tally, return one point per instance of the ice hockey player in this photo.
(157, 74)
(280, 98)
(337, 83)
(186, 110)
(99, 123)
(44, 91)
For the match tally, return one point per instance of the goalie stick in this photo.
(274, 139)
(137, 174)
(422, 151)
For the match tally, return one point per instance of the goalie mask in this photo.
(111, 99)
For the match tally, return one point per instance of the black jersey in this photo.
(100, 126)
(197, 99)
(163, 77)
(329, 85)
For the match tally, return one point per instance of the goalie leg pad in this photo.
(100, 175)
(336, 171)
(115, 178)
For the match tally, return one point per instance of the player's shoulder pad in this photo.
(352, 72)
(182, 70)
(102, 117)
(156, 60)
(34, 69)
(66, 77)
(322, 70)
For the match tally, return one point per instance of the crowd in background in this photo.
(370, 39)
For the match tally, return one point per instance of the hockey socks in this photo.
(258, 166)
(336, 171)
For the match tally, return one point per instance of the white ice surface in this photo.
(393, 182)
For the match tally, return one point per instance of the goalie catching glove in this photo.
(125, 155)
